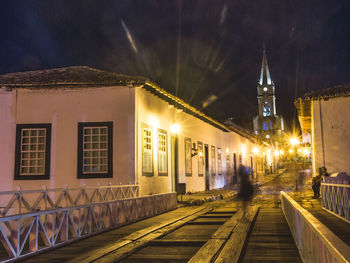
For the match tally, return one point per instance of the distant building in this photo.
(80, 126)
(324, 120)
(267, 125)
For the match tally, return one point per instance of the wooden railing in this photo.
(25, 201)
(315, 242)
(30, 233)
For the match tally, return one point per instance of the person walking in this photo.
(246, 191)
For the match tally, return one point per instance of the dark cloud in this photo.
(206, 47)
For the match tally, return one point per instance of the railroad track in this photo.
(211, 234)
(269, 239)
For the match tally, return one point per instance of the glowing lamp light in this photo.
(154, 121)
(200, 154)
(267, 136)
(299, 150)
(306, 152)
(281, 152)
(175, 128)
(276, 153)
(294, 141)
(256, 150)
(291, 151)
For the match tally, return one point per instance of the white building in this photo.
(78, 125)
(324, 117)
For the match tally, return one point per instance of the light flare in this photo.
(129, 36)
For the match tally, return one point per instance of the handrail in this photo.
(33, 232)
(336, 199)
(342, 185)
(24, 201)
(315, 242)
(64, 189)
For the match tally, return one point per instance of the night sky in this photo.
(202, 47)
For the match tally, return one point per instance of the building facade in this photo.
(80, 126)
(323, 116)
(267, 125)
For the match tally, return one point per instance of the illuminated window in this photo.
(162, 153)
(200, 159)
(267, 126)
(219, 162)
(95, 149)
(266, 110)
(147, 151)
(32, 156)
(188, 157)
(212, 161)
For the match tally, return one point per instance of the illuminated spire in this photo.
(265, 78)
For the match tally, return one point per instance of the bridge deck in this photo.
(81, 251)
(270, 239)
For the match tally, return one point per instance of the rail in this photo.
(25, 201)
(26, 234)
(315, 242)
(336, 199)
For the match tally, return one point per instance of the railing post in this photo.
(18, 237)
(33, 236)
(20, 200)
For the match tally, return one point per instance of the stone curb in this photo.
(201, 199)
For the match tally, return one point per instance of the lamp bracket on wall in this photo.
(194, 150)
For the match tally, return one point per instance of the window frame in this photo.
(80, 172)
(219, 160)
(188, 161)
(161, 131)
(266, 110)
(228, 162)
(149, 128)
(17, 174)
(213, 160)
(200, 158)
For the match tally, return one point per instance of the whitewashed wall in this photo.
(64, 108)
(334, 152)
(153, 111)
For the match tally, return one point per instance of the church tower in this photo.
(268, 125)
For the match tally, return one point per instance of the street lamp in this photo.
(294, 141)
(175, 128)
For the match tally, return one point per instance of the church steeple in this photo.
(265, 78)
(267, 124)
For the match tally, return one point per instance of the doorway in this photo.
(174, 162)
(234, 168)
(206, 163)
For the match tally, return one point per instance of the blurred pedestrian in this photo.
(246, 190)
(277, 189)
